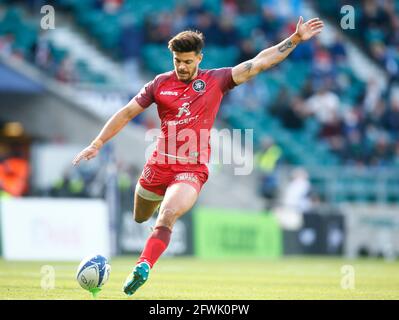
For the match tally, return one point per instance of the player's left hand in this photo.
(309, 29)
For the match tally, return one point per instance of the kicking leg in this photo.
(179, 199)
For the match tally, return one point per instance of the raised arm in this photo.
(274, 55)
(111, 128)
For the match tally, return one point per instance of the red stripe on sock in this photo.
(156, 245)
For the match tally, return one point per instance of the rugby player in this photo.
(187, 99)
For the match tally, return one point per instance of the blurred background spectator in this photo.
(296, 195)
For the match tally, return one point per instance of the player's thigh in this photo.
(143, 208)
(179, 199)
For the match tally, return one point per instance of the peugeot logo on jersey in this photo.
(184, 109)
(199, 85)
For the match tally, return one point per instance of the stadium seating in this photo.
(26, 33)
(246, 24)
(368, 30)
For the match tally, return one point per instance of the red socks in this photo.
(156, 245)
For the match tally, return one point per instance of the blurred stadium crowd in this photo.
(377, 31)
(312, 109)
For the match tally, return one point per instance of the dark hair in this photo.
(187, 41)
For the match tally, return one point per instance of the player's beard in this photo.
(187, 76)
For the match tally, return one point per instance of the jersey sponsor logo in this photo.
(184, 109)
(182, 121)
(169, 93)
(199, 85)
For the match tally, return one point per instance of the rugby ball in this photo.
(93, 272)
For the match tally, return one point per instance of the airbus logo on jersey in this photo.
(169, 93)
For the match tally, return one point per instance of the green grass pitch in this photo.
(189, 278)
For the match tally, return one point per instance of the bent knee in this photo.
(140, 217)
(168, 212)
(168, 215)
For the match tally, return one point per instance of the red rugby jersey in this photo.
(187, 112)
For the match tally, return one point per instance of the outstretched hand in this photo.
(87, 154)
(309, 29)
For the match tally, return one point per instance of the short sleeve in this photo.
(146, 95)
(225, 78)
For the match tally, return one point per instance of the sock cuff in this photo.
(163, 228)
(162, 233)
(145, 261)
